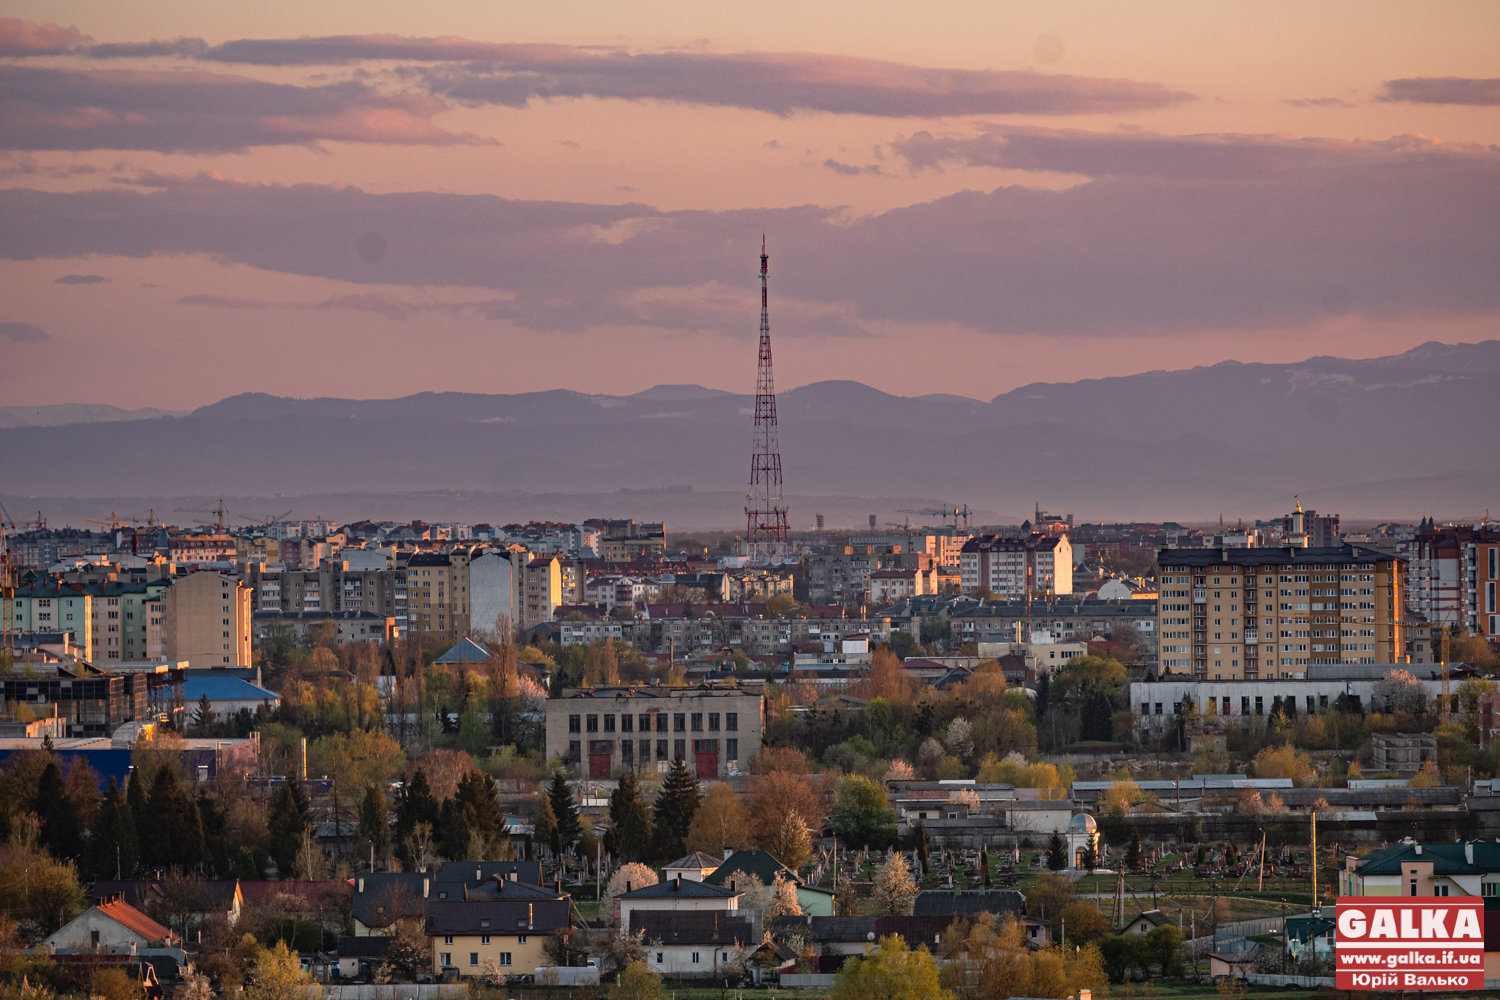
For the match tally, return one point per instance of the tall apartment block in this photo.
(1011, 566)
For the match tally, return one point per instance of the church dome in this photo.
(1082, 823)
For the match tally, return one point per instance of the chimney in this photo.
(1419, 850)
(628, 888)
(1085, 994)
(478, 874)
(733, 885)
(677, 883)
(361, 886)
(425, 884)
(727, 852)
(512, 876)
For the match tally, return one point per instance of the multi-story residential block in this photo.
(628, 541)
(888, 586)
(207, 620)
(43, 547)
(1062, 619)
(496, 580)
(193, 549)
(128, 621)
(1261, 613)
(542, 590)
(343, 627)
(716, 730)
(437, 595)
(1012, 566)
(841, 574)
(1454, 576)
(54, 606)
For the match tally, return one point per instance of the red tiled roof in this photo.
(135, 921)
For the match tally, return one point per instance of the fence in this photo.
(807, 980)
(1306, 982)
(420, 991)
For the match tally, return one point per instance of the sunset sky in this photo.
(376, 199)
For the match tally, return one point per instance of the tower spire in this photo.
(765, 510)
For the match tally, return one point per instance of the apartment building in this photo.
(129, 622)
(628, 541)
(841, 574)
(437, 595)
(1226, 614)
(54, 606)
(1011, 567)
(716, 730)
(1454, 575)
(192, 549)
(1063, 619)
(542, 591)
(888, 586)
(207, 620)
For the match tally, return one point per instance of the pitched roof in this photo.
(454, 875)
(1155, 918)
(465, 651)
(829, 928)
(696, 860)
(496, 916)
(384, 893)
(755, 862)
(915, 929)
(677, 888)
(968, 902)
(196, 685)
(692, 927)
(1446, 859)
(135, 921)
(311, 895)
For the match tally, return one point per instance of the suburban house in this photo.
(678, 894)
(503, 933)
(1463, 868)
(696, 866)
(969, 903)
(467, 879)
(1145, 922)
(686, 944)
(382, 898)
(812, 899)
(111, 924)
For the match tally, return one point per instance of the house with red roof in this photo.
(111, 924)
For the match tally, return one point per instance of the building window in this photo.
(627, 723)
(473, 958)
(679, 749)
(731, 749)
(575, 750)
(1413, 887)
(679, 722)
(505, 958)
(661, 749)
(645, 723)
(732, 721)
(575, 723)
(695, 958)
(484, 939)
(447, 939)
(592, 723)
(697, 722)
(658, 958)
(521, 939)
(445, 958)
(609, 723)
(713, 722)
(627, 749)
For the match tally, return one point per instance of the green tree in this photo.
(204, 717)
(478, 792)
(564, 811)
(112, 852)
(374, 827)
(1135, 854)
(892, 972)
(1123, 954)
(1057, 852)
(415, 808)
(277, 975)
(636, 982)
(1164, 945)
(984, 865)
(1083, 922)
(1090, 856)
(862, 814)
(286, 822)
(923, 843)
(630, 818)
(173, 830)
(59, 818)
(546, 826)
(675, 805)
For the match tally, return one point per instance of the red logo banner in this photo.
(1410, 943)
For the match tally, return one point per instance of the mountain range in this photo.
(1390, 437)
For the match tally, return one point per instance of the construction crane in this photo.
(266, 519)
(218, 512)
(943, 512)
(112, 521)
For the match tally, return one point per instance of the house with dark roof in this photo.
(1461, 868)
(694, 944)
(813, 899)
(969, 903)
(111, 924)
(696, 866)
(466, 650)
(361, 957)
(460, 879)
(1145, 922)
(678, 894)
(829, 936)
(382, 898)
(501, 935)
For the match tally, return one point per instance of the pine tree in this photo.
(546, 827)
(564, 811)
(59, 818)
(112, 852)
(135, 797)
(374, 828)
(457, 820)
(203, 718)
(478, 791)
(675, 805)
(923, 844)
(1135, 855)
(1090, 859)
(1057, 852)
(630, 819)
(416, 806)
(984, 865)
(287, 824)
(171, 828)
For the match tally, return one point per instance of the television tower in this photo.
(765, 511)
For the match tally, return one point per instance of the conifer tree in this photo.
(675, 805)
(477, 791)
(630, 819)
(546, 827)
(564, 811)
(59, 819)
(984, 866)
(374, 831)
(1057, 852)
(1090, 859)
(417, 805)
(172, 830)
(287, 824)
(1135, 855)
(112, 852)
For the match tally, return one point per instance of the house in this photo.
(695, 866)
(111, 924)
(1145, 922)
(465, 651)
(382, 898)
(506, 932)
(1038, 932)
(969, 903)
(1231, 963)
(812, 899)
(678, 894)
(187, 902)
(694, 944)
(1463, 868)
(226, 695)
(830, 936)
(468, 879)
(361, 957)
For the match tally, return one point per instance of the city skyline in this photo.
(578, 198)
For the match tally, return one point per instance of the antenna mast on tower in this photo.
(765, 511)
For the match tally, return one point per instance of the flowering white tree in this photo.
(960, 737)
(894, 890)
(900, 770)
(636, 875)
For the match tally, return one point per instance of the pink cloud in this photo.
(27, 38)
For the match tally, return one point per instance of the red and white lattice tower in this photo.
(765, 511)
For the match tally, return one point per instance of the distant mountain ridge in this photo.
(1393, 436)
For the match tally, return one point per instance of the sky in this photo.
(377, 199)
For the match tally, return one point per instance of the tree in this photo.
(1090, 855)
(172, 827)
(194, 986)
(1049, 894)
(564, 811)
(409, 953)
(546, 826)
(374, 827)
(781, 900)
(1123, 954)
(984, 865)
(112, 852)
(630, 819)
(1285, 762)
(1057, 852)
(720, 821)
(892, 972)
(59, 819)
(1164, 945)
(479, 795)
(893, 890)
(792, 845)
(1083, 923)
(277, 975)
(637, 982)
(204, 717)
(286, 823)
(675, 805)
(774, 795)
(862, 814)
(1135, 854)
(634, 875)
(1399, 691)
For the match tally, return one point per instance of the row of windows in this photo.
(680, 722)
(678, 749)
